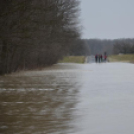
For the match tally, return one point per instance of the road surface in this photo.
(69, 99)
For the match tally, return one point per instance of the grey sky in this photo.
(107, 19)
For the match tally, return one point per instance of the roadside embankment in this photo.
(122, 58)
(73, 59)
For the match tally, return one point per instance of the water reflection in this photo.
(38, 102)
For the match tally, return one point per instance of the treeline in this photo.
(92, 47)
(36, 33)
(79, 48)
(98, 46)
(124, 46)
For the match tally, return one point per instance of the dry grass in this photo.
(122, 58)
(73, 59)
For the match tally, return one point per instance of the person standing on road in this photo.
(105, 58)
(96, 58)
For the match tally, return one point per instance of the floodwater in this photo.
(69, 99)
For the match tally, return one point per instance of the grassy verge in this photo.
(73, 59)
(122, 58)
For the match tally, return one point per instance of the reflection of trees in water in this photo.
(38, 80)
(38, 111)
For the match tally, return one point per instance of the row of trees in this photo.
(36, 33)
(98, 46)
(124, 46)
(79, 48)
(92, 47)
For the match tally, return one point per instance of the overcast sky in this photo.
(107, 19)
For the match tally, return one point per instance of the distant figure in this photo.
(105, 58)
(96, 58)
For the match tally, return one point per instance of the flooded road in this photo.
(69, 99)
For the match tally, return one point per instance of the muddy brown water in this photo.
(69, 99)
(39, 102)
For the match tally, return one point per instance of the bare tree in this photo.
(36, 33)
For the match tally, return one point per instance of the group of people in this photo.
(99, 58)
